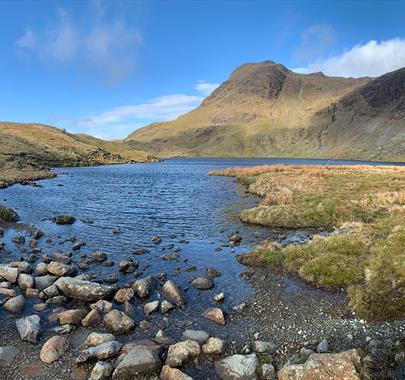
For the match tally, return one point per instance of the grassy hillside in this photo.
(266, 110)
(28, 150)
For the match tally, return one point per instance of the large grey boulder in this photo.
(237, 367)
(140, 361)
(83, 290)
(29, 328)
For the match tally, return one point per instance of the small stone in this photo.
(29, 328)
(214, 346)
(103, 351)
(268, 372)
(71, 317)
(101, 371)
(95, 339)
(262, 347)
(182, 352)
(118, 322)
(151, 307)
(237, 367)
(53, 349)
(8, 273)
(59, 269)
(91, 319)
(63, 219)
(15, 305)
(168, 373)
(25, 281)
(322, 346)
(41, 269)
(219, 297)
(199, 336)
(202, 283)
(122, 295)
(166, 306)
(173, 293)
(102, 306)
(99, 256)
(42, 282)
(215, 314)
(144, 287)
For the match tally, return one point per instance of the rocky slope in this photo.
(266, 110)
(28, 150)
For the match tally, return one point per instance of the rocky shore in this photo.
(62, 319)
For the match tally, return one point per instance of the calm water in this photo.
(172, 198)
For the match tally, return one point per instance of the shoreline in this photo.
(288, 311)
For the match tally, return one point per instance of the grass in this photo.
(363, 208)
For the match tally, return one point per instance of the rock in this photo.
(322, 346)
(235, 239)
(102, 306)
(239, 308)
(8, 292)
(15, 305)
(157, 239)
(168, 373)
(181, 352)
(30, 292)
(49, 292)
(59, 269)
(237, 367)
(101, 371)
(53, 348)
(173, 293)
(151, 307)
(262, 347)
(71, 317)
(122, 295)
(63, 219)
(29, 328)
(91, 319)
(42, 282)
(140, 361)
(140, 251)
(83, 290)
(214, 346)
(99, 256)
(161, 338)
(22, 266)
(95, 339)
(268, 372)
(25, 281)
(219, 297)
(212, 272)
(215, 314)
(343, 365)
(9, 273)
(203, 283)
(41, 269)
(8, 354)
(166, 306)
(199, 336)
(144, 287)
(103, 351)
(118, 322)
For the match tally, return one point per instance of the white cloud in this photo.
(108, 48)
(371, 59)
(118, 122)
(205, 88)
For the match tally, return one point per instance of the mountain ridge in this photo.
(266, 110)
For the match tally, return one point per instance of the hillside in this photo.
(28, 150)
(266, 110)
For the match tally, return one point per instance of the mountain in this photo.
(28, 150)
(266, 110)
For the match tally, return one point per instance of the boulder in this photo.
(215, 314)
(140, 361)
(173, 293)
(144, 287)
(101, 371)
(103, 351)
(91, 319)
(15, 305)
(203, 283)
(53, 349)
(83, 290)
(343, 365)
(122, 295)
(25, 281)
(237, 367)
(199, 336)
(182, 352)
(94, 339)
(49, 292)
(29, 328)
(118, 322)
(42, 282)
(214, 346)
(59, 269)
(102, 306)
(9, 273)
(41, 269)
(169, 373)
(99, 256)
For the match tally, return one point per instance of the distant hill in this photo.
(266, 110)
(40, 146)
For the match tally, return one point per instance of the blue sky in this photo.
(107, 68)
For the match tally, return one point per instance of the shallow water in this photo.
(172, 198)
